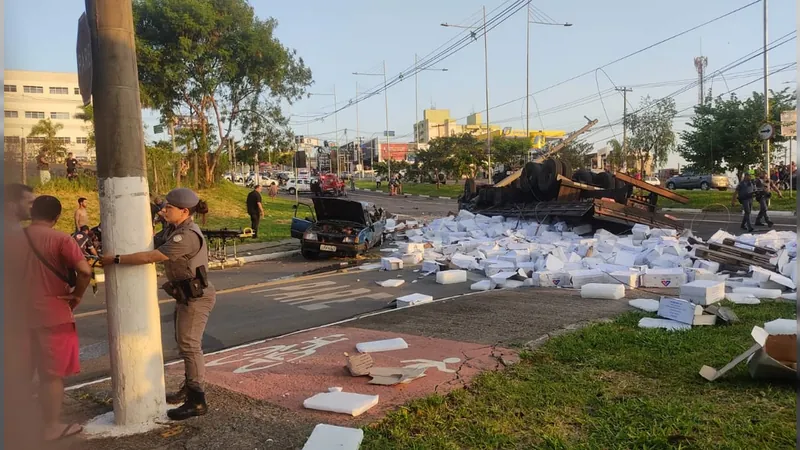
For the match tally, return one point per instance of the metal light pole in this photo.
(528, 64)
(486, 72)
(417, 69)
(386, 107)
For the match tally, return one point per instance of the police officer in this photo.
(182, 249)
(744, 194)
(764, 189)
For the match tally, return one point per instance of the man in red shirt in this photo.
(57, 266)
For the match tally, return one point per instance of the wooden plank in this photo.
(586, 187)
(509, 179)
(741, 252)
(658, 190)
(728, 258)
(757, 249)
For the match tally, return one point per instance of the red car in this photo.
(331, 185)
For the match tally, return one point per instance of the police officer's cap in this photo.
(182, 198)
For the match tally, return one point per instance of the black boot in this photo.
(179, 396)
(195, 406)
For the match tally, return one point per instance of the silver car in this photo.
(688, 180)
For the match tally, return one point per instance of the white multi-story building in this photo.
(30, 96)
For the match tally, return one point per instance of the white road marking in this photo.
(318, 295)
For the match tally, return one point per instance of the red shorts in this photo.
(56, 350)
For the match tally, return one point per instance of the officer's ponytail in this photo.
(200, 209)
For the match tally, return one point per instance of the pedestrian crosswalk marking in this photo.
(320, 294)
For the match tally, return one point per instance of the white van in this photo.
(292, 186)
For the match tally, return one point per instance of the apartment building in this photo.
(31, 96)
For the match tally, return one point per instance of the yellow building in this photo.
(31, 96)
(438, 123)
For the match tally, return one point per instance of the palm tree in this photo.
(87, 115)
(51, 145)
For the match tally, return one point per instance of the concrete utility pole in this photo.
(359, 158)
(624, 91)
(766, 90)
(24, 159)
(486, 70)
(134, 320)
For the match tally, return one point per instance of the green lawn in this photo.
(226, 204)
(445, 190)
(610, 386)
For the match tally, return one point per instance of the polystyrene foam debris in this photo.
(758, 292)
(603, 291)
(391, 283)
(451, 276)
(645, 304)
(329, 437)
(781, 326)
(669, 325)
(742, 299)
(383, 345)
(341, 402)
(413, 300)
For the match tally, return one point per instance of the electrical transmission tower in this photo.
(700, 63)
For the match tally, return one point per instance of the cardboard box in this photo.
(770, 357)
(664, 278)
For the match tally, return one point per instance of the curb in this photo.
(541, 340)
(698, 211)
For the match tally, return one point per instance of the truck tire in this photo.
(309, 255)
(583, 176)
(604, 180)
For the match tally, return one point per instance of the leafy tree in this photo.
(47, 131)
(468, 157)
(433, 160)
(618, 157)
(723, 133)
(218, 63)
(651, 136)
(87, 115)
(510, 152)
(576, 154)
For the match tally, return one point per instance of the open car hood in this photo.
(341, 209)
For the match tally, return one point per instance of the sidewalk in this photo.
(256, 393)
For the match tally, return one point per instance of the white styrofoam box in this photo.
(516, 256)
(784, 281)
(383, 345)
(528, 267)
(574, 258)
(495, 230)
(483, 285)
(602, 290)
(586, 276)
(416, 239)
(674, 250)
(759, 274)
(569, 267)
(608, 268)
(396, 282)
(708, 275)
(582, 229)
(592, 261)
(645, 304)
(413, 300)
(669, 325)
(758, 292)
(678, 309)
(477, 234)
(531, 282)
(769, 284)
(552, 263)
(410, 259)
(666, 261)
(341, 402)
(781, 326)
(463, 261)
(412, 223)
(502, 276)
(431, 255)
(662, 278)
(391, 263)
(552, 279)
(451, 276)
(450, 249)
(604, 246)
(625, 258)
(703, 292)
(668, 232)
(625, 277)
(511, 284)
(482, 218)
(328, 437)
(430, 266)
(414, 232)
(742, 299)
(467, 225)
(640, 232)
(500, 266)
(468, 245)
(789, 296)
(711, 266)
(464, 215)
(410, 247)
(498, 219)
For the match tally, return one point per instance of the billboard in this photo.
(397, 152)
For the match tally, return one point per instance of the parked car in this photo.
(234, 177)
(292, 186)
(653, 180)
(688, 180)
(338, 226)
(331, 185)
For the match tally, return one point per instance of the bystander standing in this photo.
(255, 208)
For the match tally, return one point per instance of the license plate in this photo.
(327, 248)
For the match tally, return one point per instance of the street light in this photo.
(386, 107)
(418, 69)
(486, 70)
(528, 64)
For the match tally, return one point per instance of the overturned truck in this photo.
(548, 190)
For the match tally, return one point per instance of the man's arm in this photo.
(136, 259)
(84, 278)
(261, 209)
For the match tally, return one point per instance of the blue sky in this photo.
(338, 38)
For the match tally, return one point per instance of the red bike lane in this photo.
(286, 371)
